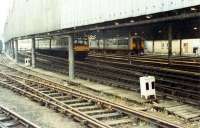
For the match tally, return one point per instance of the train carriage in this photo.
(81, 48)
(124, 45)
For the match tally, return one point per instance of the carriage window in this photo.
(79, 41)
(114, 41)
(75, 41)
(123, 42)
(147, 86)
(153, 85)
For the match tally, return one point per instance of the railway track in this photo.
(164, 58)
(89, 110)
(182, 86)
(192, 66)
(9, 119)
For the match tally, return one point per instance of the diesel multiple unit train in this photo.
(81, 48)
(123, 45)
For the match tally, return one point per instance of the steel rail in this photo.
(21, 120)
(175, 90)
(188, 66)
(140, 114)
(36, 94)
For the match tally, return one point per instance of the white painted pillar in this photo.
(16, 50)
(181, 47)
(12, 49)
(33, 52)
(71, 58)
(9, 47)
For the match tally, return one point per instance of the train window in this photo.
(108, 42)
(75, 41)
(147, 86)
(123, 42)
(153, 85)
(101, 42)
(81, 42)
(137, 40)
(114, 41)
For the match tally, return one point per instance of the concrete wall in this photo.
(36, 16)
(189, 44)
(161, 46)
(148, 46)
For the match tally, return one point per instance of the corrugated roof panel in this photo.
(35, 16)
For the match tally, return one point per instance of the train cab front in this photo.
(81, 49)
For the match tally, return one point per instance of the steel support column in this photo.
(33, 52)
(104, 47)
(98, 44)
(153, 47)
(50, 43)
(38, 44)
(16, 51)
(6, 47)
(9, 48)
(180, 47)
(71, 58)
(169, 42)
(12, 49)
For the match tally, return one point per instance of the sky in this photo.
(4, 11)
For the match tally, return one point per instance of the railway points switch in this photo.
(27, 61)
(147, 87)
